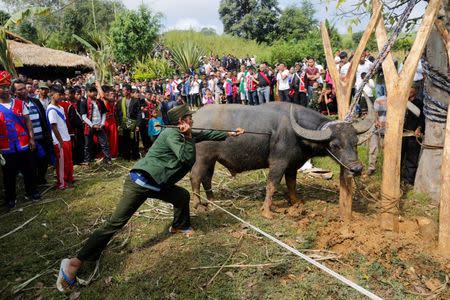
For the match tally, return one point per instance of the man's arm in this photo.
(57, 134)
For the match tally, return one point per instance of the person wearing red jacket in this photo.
(16, 143)
(111, 129)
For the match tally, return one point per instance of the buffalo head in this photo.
(340, 139)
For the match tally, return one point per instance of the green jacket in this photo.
(172, 155)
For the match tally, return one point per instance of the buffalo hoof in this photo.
(266, 213)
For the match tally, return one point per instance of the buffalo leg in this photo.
(275, 175)
(291, 183)
(197, 174)
(206, 182)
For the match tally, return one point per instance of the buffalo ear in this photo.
(308, 134)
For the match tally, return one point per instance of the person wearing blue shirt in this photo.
(154, 125)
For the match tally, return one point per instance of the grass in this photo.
(144, 262)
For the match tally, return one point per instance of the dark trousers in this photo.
(143, 130)
(102, 139)
(18, 162)
(78, 147)
(284, 95)
(253, 98)
(229, 99)
(133, 197)
(410, 159)
(129, 145)
(40, 164)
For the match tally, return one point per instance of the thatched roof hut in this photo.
(45, 63)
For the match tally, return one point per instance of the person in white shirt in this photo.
(241, 78)
(283, 83)
(343, 65)
(367, 91)
(93, 112)
(61, 139)
(194, 91)
(364, 66)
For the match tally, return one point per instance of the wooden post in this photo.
(398, 87)
(343, 88)
(444, 205)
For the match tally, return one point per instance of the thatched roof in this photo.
(33, 55)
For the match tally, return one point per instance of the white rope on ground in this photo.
(298, 253)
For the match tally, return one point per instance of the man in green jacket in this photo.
(169, 159)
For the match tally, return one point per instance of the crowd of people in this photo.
(74, 122)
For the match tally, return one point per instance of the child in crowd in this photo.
(208, 98)
(154, 125)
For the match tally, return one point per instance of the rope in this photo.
(382, 56)
(327, 270)
(410, 133)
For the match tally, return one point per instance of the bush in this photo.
(152, 68)
(291, 52)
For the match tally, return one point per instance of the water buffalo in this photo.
(296, 134)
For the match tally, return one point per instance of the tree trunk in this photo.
(428, 179)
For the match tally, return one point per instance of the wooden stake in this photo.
(444, 206)
(398, 87)
(343, 88)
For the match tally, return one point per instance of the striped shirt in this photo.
(35, 120)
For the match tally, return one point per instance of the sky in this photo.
(195, 14)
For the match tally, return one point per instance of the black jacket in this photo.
(411, 121)
(134, 111)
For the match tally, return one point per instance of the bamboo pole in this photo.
(343, 88)
(398, 87)
(444, 205)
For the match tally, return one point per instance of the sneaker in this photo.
(35, 197)
(187, 232)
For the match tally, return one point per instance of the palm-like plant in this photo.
(6, 57)
(186, 55)
(101, 56)
(151, 68)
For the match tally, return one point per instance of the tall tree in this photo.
(296, 23)
(251, 19)
(133, 34)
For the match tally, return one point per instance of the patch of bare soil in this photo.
(408, 257)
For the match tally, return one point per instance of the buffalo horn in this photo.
(312, 135)
(364, 125)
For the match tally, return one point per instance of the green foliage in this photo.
(133, 34)
(371, 44)
(4, 16)
(187, 55)
(28, 31)
(6, 58)
(291, 52)
(217, 44)
(101, 55)
(19, 17)
(296, 23)
(152, 68)
(250, 19)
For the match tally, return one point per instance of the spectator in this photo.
(263, 84)
(283, 83)
(377, 138)
(61, 139)
(16, 143)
